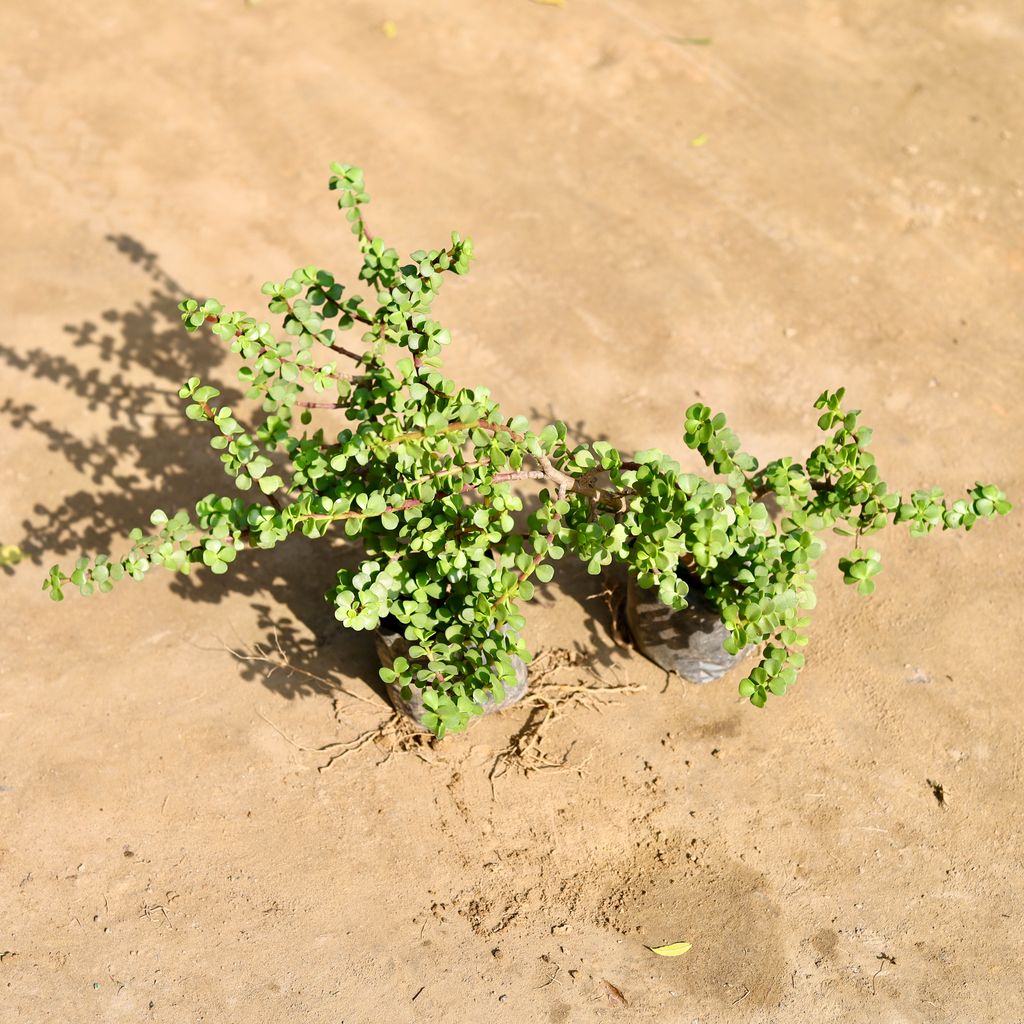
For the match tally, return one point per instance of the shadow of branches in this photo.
(127, 365)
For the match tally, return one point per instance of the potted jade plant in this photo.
(420, 472)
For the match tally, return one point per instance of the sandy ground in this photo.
(823, 193)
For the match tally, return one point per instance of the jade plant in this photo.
(422, 476)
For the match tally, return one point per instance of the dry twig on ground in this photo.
(276, 659)
(393, 733)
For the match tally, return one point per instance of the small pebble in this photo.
(502, 999)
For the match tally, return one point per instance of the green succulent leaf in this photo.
(352, 431)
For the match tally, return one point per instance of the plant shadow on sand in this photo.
(147, 455)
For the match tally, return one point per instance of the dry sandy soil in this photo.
(742, 202)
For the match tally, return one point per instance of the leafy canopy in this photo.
(422, 477)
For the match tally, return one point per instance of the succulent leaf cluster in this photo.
(424, 474)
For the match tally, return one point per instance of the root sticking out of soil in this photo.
(394, 733)
(528, 749)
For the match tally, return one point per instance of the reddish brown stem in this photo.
(334, 347)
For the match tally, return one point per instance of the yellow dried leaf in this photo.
(550, 3)
(700, 140)
(390, 29)
(672, 949)
(10, 554)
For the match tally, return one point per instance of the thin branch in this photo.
(524, 474)
(337, 302)
(319, 336)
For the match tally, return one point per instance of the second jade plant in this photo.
(422, 477)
